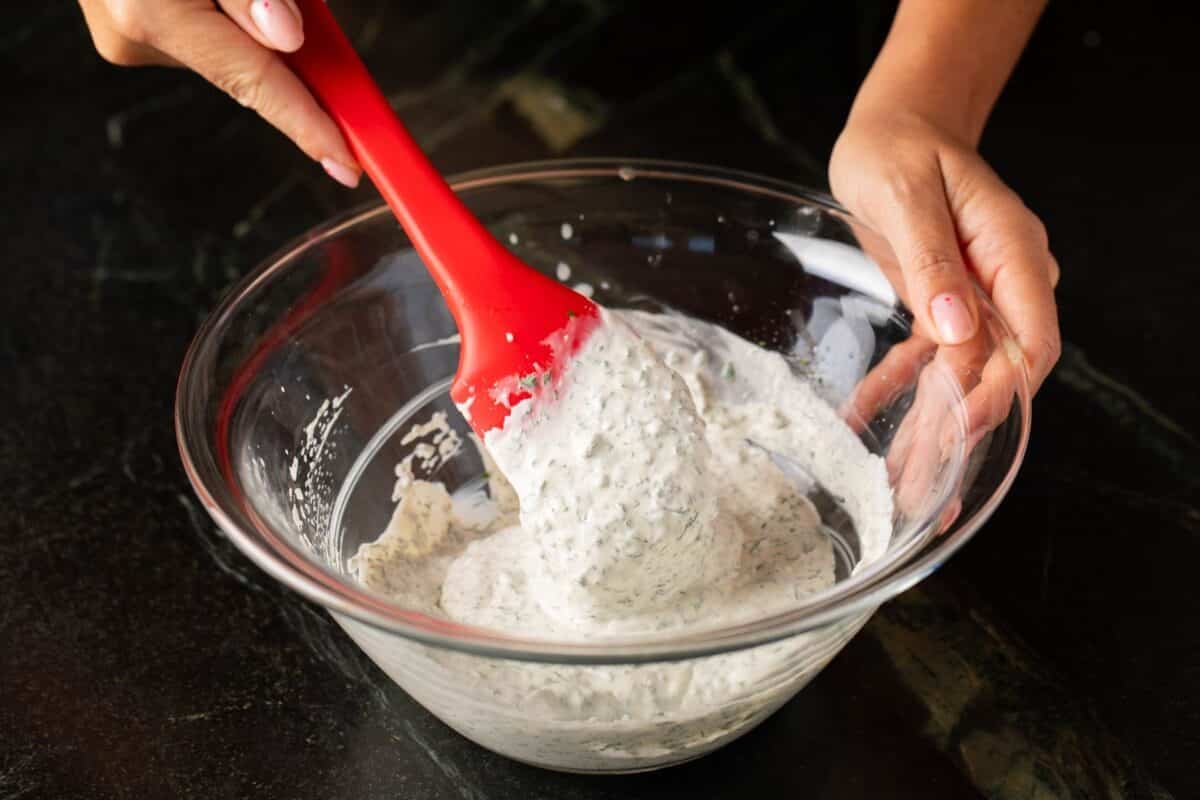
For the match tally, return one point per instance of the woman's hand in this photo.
(936, 219)
(947, 218)
(235, 45)
(940, 218)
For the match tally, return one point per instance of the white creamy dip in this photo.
(619, 495)
(644, 501)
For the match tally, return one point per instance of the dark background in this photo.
(142, 656)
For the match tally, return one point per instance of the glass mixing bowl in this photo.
(295, 396)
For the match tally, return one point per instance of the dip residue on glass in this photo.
(634, 495)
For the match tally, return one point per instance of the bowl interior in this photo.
(298, 393)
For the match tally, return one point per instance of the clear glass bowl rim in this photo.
(296, 570)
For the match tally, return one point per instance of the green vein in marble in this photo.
(1129, 409)
(1078, 373)
(757, 114)
(988, 702)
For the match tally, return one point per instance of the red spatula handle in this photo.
(442, 230)
(508, 315)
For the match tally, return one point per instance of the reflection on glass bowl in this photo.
(296, 393)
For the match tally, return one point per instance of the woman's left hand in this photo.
(948, 217)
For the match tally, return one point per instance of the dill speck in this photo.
(628, 538)
(571, 314)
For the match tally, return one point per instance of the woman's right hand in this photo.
(235, 45)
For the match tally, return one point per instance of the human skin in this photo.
(906, 164)
(930, 211)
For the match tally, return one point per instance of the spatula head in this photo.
(517, 341)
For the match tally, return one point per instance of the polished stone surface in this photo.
(142, 656)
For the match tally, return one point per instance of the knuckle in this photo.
(117, 50)
(845, 181)
(1054, 349)
(931, 264)
(903, 186)
(246, 85)
(1038, 233)
(1049, 350)
(1054, 270)
(128, 20)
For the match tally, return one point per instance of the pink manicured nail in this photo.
(279, 22)
(952, 318)
(340, 172)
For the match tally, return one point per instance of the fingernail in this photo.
(279, 22)
(340, 172)
(952, 318)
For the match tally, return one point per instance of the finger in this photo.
(915, 219)
(912, 455)
(897, 450)
(987, 406)
(949, 515)
(1009, 251)
(922, 479)
(894, 373)
(276, 24)
(933, 431)
(1055, 272)
(1019, 275)
(937, 384)
(1026, 300)
(114, 39)
(989, 403)
(207, 41)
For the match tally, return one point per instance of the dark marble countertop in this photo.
(142, 656)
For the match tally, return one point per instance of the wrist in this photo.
(923, 90)
(946, 61)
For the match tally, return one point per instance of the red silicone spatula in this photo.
(514, 321)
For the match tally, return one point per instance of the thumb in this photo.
(913, 215)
